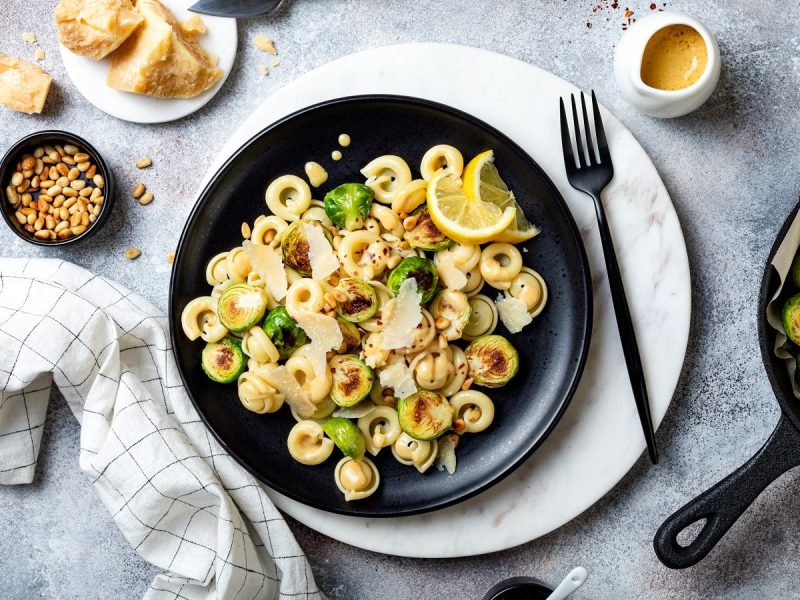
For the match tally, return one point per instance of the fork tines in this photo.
(587, 157)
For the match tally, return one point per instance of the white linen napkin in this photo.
(181, 502)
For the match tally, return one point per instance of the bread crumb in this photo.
(29, 37)
(265, 44)
(194, 26)
(39, 54)
(275, 63)
(263, 69)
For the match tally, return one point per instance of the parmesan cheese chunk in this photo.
(398, 376)
(401, 316)
(23, 86)
(513, 313)
(320, 254)
(325, 334)
(452, 276)
(266, 261)
(282, 380)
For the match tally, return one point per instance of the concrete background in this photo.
(733, 174)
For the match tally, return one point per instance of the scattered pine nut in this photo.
(246, 231)
(143, 162)
(275, 63)
(38, 54)
(29, 36)
(263, 69)
(146, 199)
(138, 190)
(171, 257)
(265, 44)
(132, 253)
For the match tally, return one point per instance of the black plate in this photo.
(552, 349)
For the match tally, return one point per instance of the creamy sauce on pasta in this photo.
(336, 155)
(344, 140)
(316, 173)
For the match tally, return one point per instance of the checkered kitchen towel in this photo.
(179, 499)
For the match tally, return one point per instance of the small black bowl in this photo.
(52, 138)
(519, 588)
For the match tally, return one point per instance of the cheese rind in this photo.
(95, 28)
(161, 60)
(23, 86)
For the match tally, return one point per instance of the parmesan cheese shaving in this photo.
(266, 261)
(451, 275)
(401, 316)
(320, 254)
(281, 379)
(325, 334)
(513, 313)
(446, 454)
(398, 376)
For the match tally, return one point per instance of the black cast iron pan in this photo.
(724, 503)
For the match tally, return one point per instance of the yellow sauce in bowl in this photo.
(674, 58)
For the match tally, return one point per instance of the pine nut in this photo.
(39, 166)
(16, 179)
(77, 184)
(54, 191)
(70, 149)
(99, 181)
(79, 229)
(69, 202)
(49, 222)
(65, 233)
(138, 190)
(83, 166)
(92, 218)
(63, 213)
(132, 253)
(62, 181)
(84, 218)
(91, 171)
(99, 200)
(143, 162)
(61, 226)
(39, 152)
(73, 173)
(171, 257)
(62, 169)
(68, 191)
(393, 261)
(31, 219)
(146, 199)
(47, 183)
(21, 218)
(12, 195)
(60, 150)
(26, 183)
(81, 157)
(75, 219)
(35, 182)
(96, 193)
(68, 160)
(38, 223)
(246, 231)
(42, 234)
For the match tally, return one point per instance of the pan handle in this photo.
(724, 503)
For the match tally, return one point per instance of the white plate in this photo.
(89, 76)
(599, 438)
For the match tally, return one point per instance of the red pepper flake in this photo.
(589, 24)
(653, 6)
(628, 12)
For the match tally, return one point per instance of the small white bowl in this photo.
(652, 101)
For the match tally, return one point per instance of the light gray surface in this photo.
(733, 174)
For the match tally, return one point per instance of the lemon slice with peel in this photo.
(482, 181)
(463, 219)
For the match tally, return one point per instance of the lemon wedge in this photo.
(464, 219)
(482, 181)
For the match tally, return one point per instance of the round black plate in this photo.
(552, 349)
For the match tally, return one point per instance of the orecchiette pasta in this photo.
(529, 287)
(199, 320)
(288, 197)
(268, 230)
(256, 394)
(257, 345)
(355, 255)
(307, 443)
(356, 479)
(500, 263)
(459, 375)
(475, 408)
(409, 451)
(314, 385)
(304, 295)
(373, 351)
(387, 175)
(483, 319)
(322, 411)
(317, 213)
(474, 282)
(465, 256)
(237, 265)
(433, 368)
(217, 269)
(423, 335)
(410, 196)
(442, 158)
(380, 427)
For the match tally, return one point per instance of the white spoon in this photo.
(575, 579)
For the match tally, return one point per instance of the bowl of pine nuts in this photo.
(55, 188)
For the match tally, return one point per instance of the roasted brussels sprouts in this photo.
(223, 361)
(351, 338)
(348, 205)
(241, 306)
(492, 361)
(347, 437)
(791, 318)
(284, 331)
(294, 245)
(424, 415)
(453, 306)
(794, 271)
(425, 235)
(420, 269)
(356, 300)
(352, 379)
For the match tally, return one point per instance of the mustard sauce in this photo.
(674, 58)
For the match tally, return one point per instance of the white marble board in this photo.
(599, 437)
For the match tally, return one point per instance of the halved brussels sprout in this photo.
(352, 379)
(794, 271)
(360, 300)
(492, 361)
(223, 361)
(791, 318)
(453, 306)
(347, 437)
(241, 306)
(424, 415)
(348, 205)
(420, 269)
(284, 331)
(351, 338)
(425, 235)
(294, 245)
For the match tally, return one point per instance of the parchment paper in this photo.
(782, 263)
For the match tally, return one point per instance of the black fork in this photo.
(591, 174)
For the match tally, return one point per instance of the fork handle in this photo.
(626, 332)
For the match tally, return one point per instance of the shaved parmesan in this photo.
(446, 454)
(513, 313)
(398, 376)
(451, 276)
(325, 334)
(320, 254)
(281, 379)
(401, 316)
(266, 261)
(354, 412)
